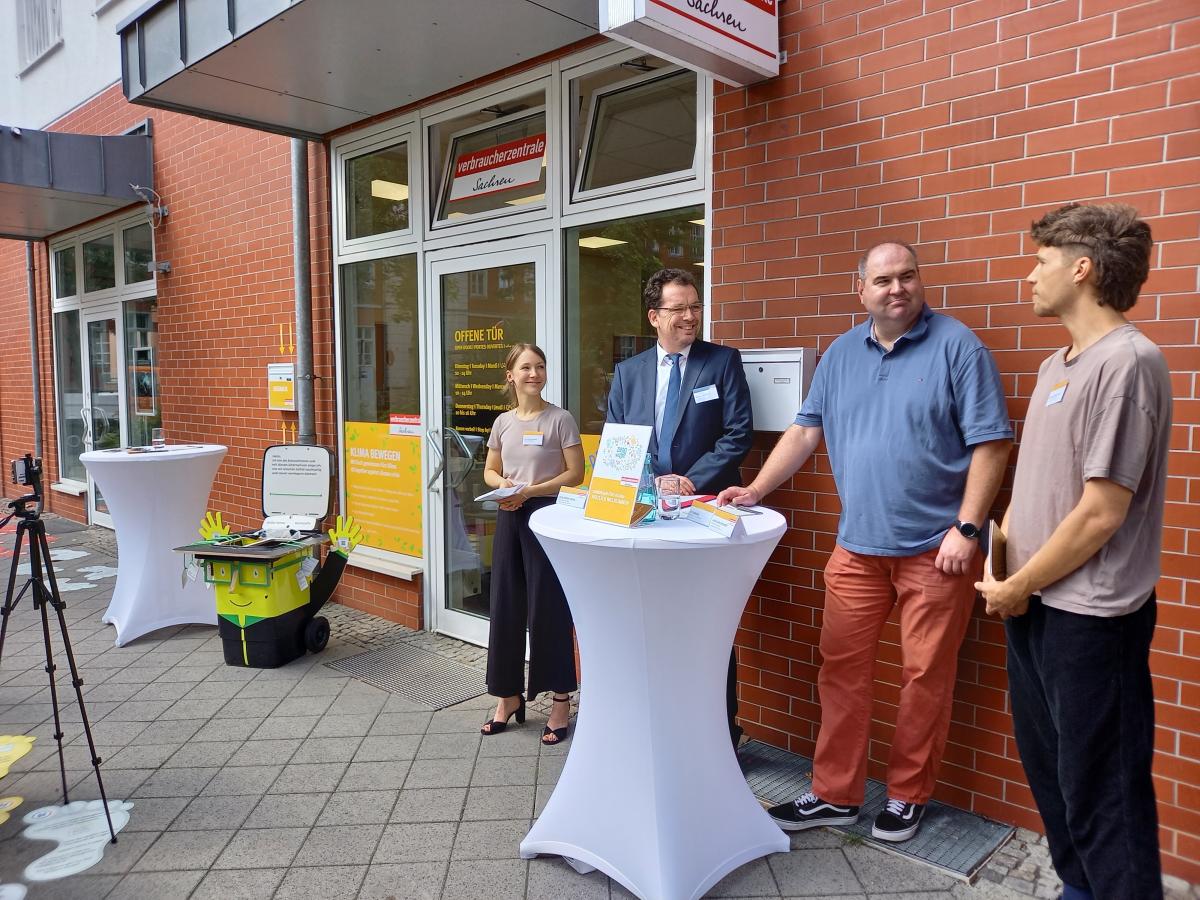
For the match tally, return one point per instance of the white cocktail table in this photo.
(156, 500)
(651, 793)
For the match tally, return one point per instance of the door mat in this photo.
(420, 676)
(954, 841)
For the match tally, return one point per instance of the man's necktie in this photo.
(670, 408)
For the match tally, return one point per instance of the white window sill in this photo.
(375, 561)
(34, 62)
(74, 488)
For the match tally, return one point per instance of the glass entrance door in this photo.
(102, 412)
(483, 303)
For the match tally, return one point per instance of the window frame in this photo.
(403, 131)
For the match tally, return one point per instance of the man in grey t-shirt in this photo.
(1084, 529)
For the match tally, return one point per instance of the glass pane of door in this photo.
(484, 312)
(72, 428)
(142, 412)
(103, 407)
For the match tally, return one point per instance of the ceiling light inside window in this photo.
(389, 190)
(599, 243)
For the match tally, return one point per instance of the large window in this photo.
(141, 370)
(99, 265)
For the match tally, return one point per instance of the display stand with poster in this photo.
(616, 475)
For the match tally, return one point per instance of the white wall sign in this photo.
(736, 41)
(499, 168)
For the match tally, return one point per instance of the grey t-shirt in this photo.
(1104, 414)
(531, 450)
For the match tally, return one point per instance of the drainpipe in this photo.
(33, 351)
(301, 254)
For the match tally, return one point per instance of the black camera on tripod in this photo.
(28, 470)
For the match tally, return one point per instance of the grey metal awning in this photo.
(310, 67)
(52, 181)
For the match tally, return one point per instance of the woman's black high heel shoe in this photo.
(559, 734)
(497, 727)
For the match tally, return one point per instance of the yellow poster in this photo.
(617, 466)
(383, 486)
(591, 443)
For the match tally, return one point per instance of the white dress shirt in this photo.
(664, 379)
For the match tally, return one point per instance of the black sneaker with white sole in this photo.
(810, 811)
(898, 822)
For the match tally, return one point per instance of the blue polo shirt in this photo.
(899, 427)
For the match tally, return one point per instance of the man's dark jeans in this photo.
(1083, 711)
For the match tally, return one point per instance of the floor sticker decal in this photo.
(81, 832)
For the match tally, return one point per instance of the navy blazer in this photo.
(712, 438)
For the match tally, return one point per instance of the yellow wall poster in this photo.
(616, 474)
(281, 386)
(383, 486)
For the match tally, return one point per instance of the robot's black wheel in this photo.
(316, 634)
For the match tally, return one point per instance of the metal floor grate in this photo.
(955, 841)
(417, 674)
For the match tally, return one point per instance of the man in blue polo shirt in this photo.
(913, 416)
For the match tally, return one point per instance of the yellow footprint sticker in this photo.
(7, 804)
(12, 748)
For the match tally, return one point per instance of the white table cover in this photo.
(651, 793)
(156, 500)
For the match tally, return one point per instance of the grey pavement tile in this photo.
(227, 729)
(93, 887)
(332, 845)
(920, 895)
(358, 808)
(243, 780)
(176, 783)
(173, 732)
(818, 839)
(192, 709)
(262, 689)
(162, 690)
(384, 776)
(277, 726)
(135, 711)
(305, 705)
(214, 690)
(550, 769)
(489, 803)
(507, 770)
(542, 798)
(308, 778)
(754, 879)
(351, 701)
(261, 848)
(156, 886)
(405, 881)
(550, 878)
(331, 883)
(426, 842)
(201, 753)
(118, 784)
(240, 674)
(429, 773)
(42, 787)
(385, 748)
(140, 756)
(176, 850)
(326, 749)
(239, 884)
(521, 741)
(490, 840)
(336, 725)
(882, 871)
(387, 723)
(253, 708)
(449, 746)
(429, 805)
(316, 684)
(95, 693)
(397, 703)
(155, 813)
(120, 858)
(814, 873)
(456, 721)
(286, 810)
(214, 813)
(485, 880)
(261, 753)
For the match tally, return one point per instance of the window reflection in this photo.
(99, 264)
(377, 197)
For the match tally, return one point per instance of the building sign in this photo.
(383, 485)
(500, 168)
(736, 41)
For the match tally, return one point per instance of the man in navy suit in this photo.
(695, 395)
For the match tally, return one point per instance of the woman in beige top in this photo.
(536, 444)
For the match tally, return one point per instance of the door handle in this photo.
(434, 483)
(467, 455)
(85, 413)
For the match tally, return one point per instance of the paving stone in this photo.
(261, 753)
(277, 726)
(319, 685)
(214, 690)
(385, 748)
(261, 848)
(336, 725)
(549, 769)
(550, 878)
(405, 881)
(118, 858)
(219, 812)
(397, 703)
(456, 720)
(430, 773)
(118, 783)
(251, 708)
(308, 778)
(508, 770)
(512, 742)
(284, 810)
(227, 729)
(192, 709)
(449, 746)
(176, 783)
(485, 880)
(92, 887)
(881, 871)
(490, 840)
(135, 710)
(201, 753)
(326, 749)
(162, 690)
(489, 803)
(358, 808)
(818, 839)
(156, 886)
(387, 723)
(155, 813)
(814, 873)
(178, 731)
(754, 879)
(332, 845)
(176, 850)
(329, 883)
(404, 843)
(243, 780)
(429, 805)
(264, 689)
(381, 775)
(239, 884)
(541, 798)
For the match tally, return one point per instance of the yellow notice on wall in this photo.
(281, 386)
(383, 486)
(616, 473)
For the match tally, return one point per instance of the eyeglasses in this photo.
(694, 308)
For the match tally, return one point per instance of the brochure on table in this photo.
(616, 474)
(724, 520)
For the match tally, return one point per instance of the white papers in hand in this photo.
(501, 493)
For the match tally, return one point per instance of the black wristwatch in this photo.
(967, 530)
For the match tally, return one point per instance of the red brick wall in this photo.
(229, 241)
(952, 125)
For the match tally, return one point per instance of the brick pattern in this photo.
(952, 125)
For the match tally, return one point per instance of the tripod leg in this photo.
(9, 601)
(56, 601)
(39, 603)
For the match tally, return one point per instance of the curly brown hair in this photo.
(1109, 234)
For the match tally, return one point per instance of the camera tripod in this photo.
(31, 530)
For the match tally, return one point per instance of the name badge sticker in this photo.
(1056, 393)
(704, 394)
(532, 439)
